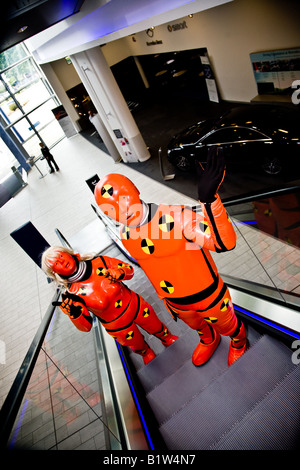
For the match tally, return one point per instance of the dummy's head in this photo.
(118, 198)
(59, 263)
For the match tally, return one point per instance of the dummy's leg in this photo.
(209, 338)
(238, 344)
(133, 338)
(149, 321)
(227, 324)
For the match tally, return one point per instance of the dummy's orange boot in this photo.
(168, 340)
(238, 344)
(148, 356)
(166, 337)
(235, 353)
(203, 352)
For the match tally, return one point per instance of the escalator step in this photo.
(168, 361)
(188, 380)
(274, 424)
(204, 419)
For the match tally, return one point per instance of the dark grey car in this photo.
(264, 137)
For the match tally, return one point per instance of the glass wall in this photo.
(26, 102)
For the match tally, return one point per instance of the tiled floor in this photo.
(63, 200)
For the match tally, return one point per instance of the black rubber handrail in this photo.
(254, 196)
(12, 403)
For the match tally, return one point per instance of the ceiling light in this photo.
(22, 29)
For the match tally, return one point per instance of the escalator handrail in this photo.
(12, 403)
(288, 323)
(253, 196)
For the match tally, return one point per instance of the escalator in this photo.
(172, 405)
(254, 404)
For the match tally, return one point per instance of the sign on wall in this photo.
(275, 71)
(209, 79)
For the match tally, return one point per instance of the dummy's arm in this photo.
(117, 270)
(214, 230)
(74, 306)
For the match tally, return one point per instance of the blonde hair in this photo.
(49, 256)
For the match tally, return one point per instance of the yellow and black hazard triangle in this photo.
(118, 303)
(166, 223)
(225, 305)
(268, 212)
(107, 191)
(235, 340)
(146, 312)
(123, 265)
(100, 271)
(82, 290)
(147, 246)
(125, 232)
(211, 319)
(167, 287)
(204, 227)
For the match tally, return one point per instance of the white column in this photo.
(105, 136)
(110, 104)
(62, 95)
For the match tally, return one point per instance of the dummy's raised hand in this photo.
(71, 305)
(210, 178)
(114, 274)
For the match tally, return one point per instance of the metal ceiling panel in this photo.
(22, 19)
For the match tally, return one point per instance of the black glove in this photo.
(210, 178)
(67, 306)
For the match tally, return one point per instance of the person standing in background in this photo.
(49, 157)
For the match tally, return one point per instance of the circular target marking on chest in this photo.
(166, 223)
(204, 227)
(166, 286)
(107, 191)
(125, 233)
(147, 246)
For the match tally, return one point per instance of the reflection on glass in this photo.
(9, 109)
(34, 427)
(7, 160)
(43, 115)
(20, 76)
(3, 92)
(62, 407)
(23, 130)
(52, 134)
(27, 100)
(278, 216)
(32, 146)
(11, 56)
(269, 234)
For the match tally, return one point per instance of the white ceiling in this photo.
(102, 21)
